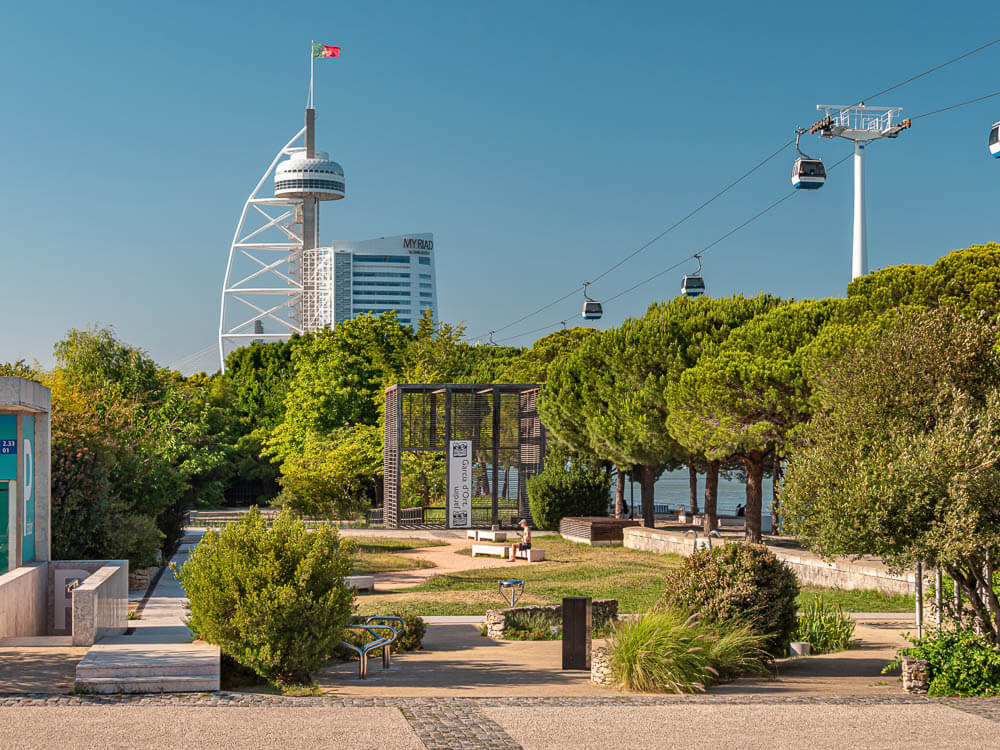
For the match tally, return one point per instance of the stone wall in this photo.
(602, 611)
(842, 573)
(916, 677)
(138, 579)
(100, 604)
(600, 666)
(22, 601)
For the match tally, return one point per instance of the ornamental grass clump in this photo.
(672, 651)
(272, 599)
(824, 627)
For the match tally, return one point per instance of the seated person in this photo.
(525, 542)
(740, 511)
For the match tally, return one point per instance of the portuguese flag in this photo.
(325, 50)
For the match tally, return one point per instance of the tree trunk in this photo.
(711, 496)
(754, 464)
(620, 494)
(693, 486)
(776, 474)
(647, 479)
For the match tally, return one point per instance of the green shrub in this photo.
(532, 626)
(958, 663)
(824, 627)
(557, 493)
(274, 600)
(739, 584)
(668, 650)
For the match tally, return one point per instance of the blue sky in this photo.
(540, 142)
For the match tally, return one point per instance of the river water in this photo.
(672, 489)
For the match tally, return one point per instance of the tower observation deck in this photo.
(276, 284)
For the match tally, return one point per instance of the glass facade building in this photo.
(388, 273)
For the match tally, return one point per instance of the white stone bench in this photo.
(366, 583)
(502, 550)
(531, 555)
(486, 535)
(737, 523)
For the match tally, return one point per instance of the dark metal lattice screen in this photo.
(508, 446)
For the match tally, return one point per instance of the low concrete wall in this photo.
(23, 601)
(100, 604)
(59, 603)
(842, 573)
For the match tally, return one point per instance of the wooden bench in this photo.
(502, 550)
(486, 535)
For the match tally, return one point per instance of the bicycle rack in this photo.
(370, 626)
(387, 650)
(514, 587)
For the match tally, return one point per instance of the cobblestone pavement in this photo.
(453, 724)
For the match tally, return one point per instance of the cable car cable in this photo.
(699, 252)
(928, 72)
(956, 106)
(753, 169)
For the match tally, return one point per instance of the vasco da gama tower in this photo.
(280, 280)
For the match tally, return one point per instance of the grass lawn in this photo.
(864, 600)
(634, 577)
(377, 554)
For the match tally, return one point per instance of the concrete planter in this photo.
(799, 648)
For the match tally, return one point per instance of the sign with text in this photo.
(8, 447)
(459, 484)
(28, 489)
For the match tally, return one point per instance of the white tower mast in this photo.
(859, 124)
(273, 275)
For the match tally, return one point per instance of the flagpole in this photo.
(312, 64)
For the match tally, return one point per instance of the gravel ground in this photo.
(768, 727)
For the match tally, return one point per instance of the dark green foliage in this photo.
(557, 493)
(274, 600)
(739, 583)
(959, 663)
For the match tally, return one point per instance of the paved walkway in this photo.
(159, 642)
(444, 559)
(699, 722)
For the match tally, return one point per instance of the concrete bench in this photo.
(737, 523)
(362, 583)
(502, 550)
(486, 535)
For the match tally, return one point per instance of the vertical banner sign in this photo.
(8, 447)
(459, 484)
(28, 488)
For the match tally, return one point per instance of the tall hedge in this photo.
(557, 493)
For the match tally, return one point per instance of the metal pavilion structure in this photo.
(861, 125)
(495, 430)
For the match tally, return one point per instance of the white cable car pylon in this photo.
(861, 125)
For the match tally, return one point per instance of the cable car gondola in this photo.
(995, 140)
(693, 285)
(592, 309)
(807, 173)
